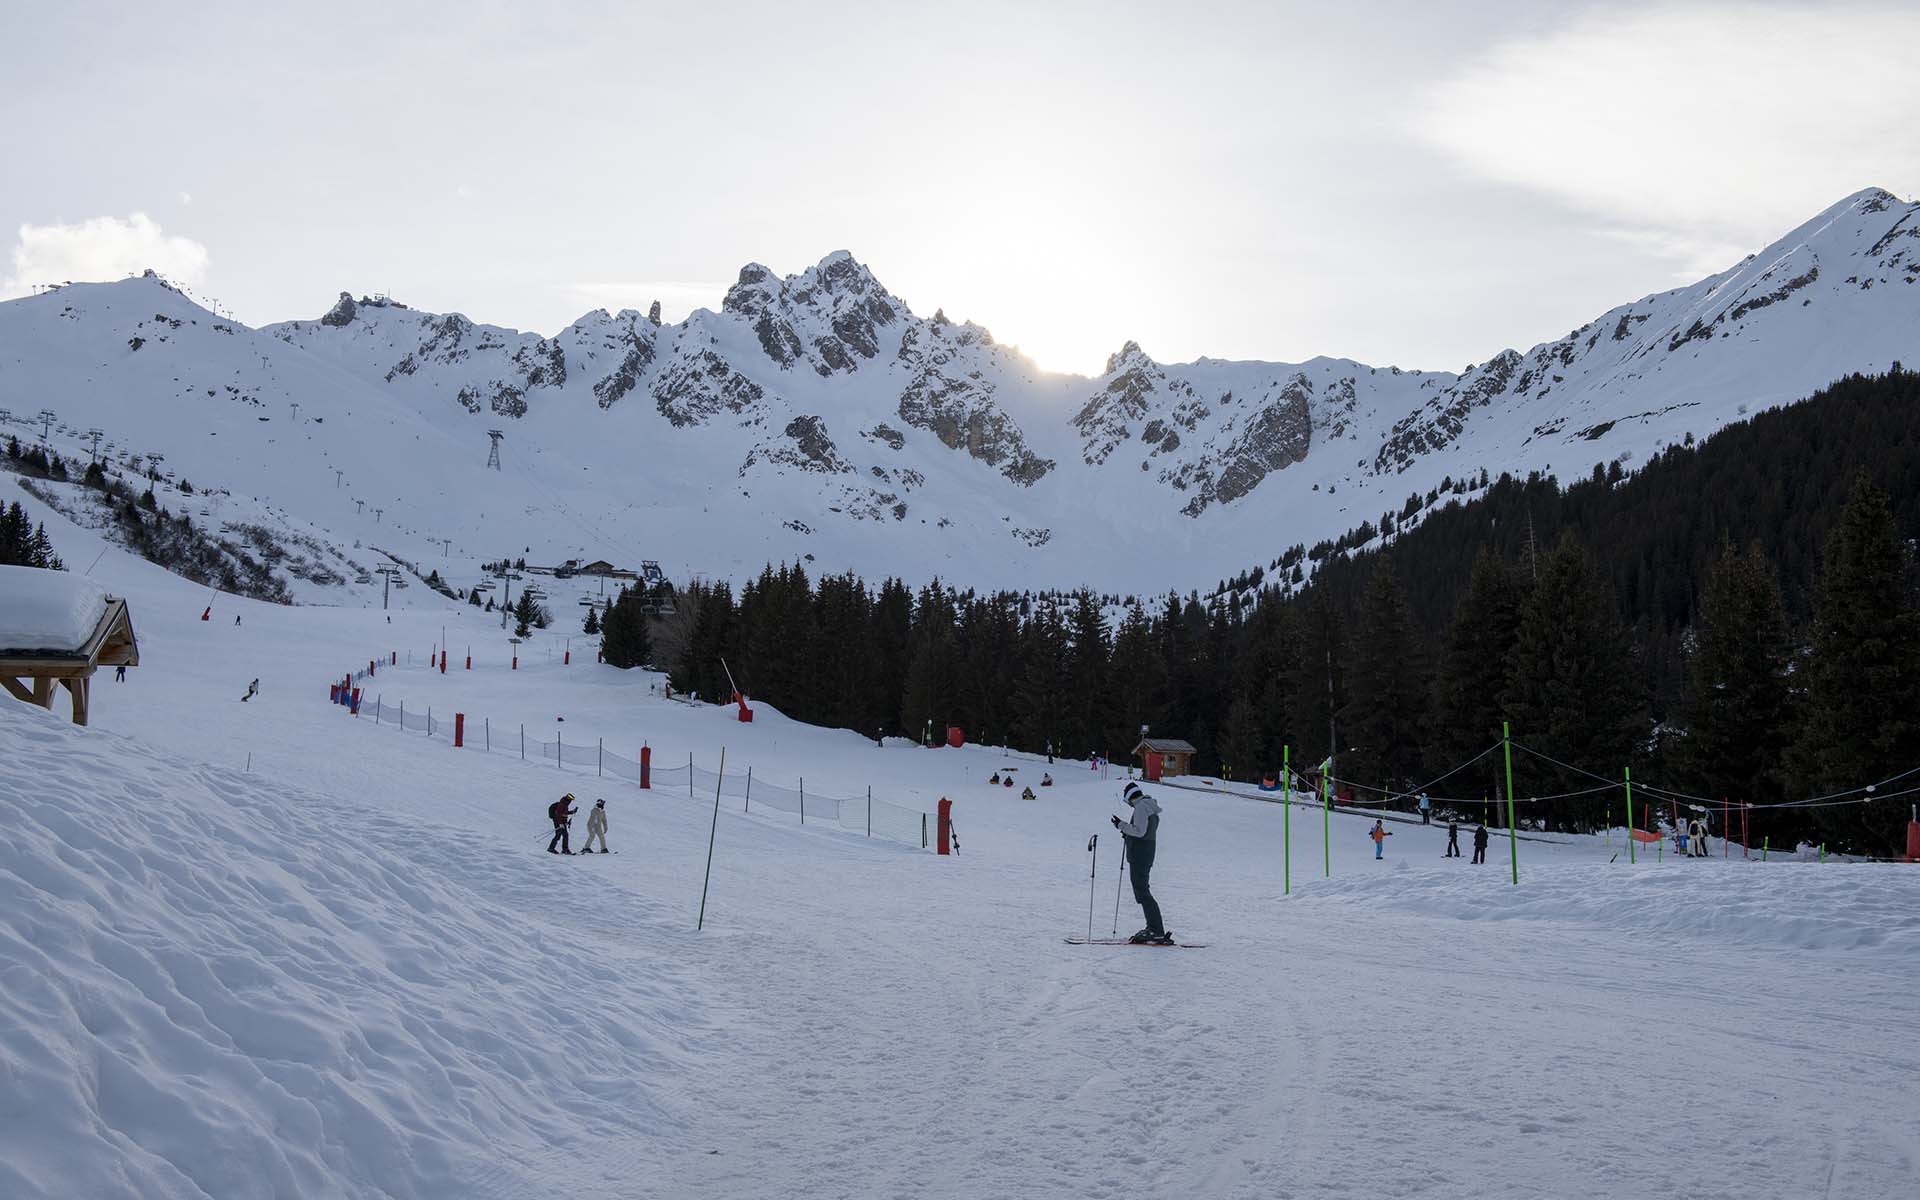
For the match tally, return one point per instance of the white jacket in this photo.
(1144, 810)
(596, 820)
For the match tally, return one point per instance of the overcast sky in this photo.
(1420, 184)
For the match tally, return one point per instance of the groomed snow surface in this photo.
(264, 949)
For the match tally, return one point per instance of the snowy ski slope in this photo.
(264, 949)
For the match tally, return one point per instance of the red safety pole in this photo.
(469, 658)
(1745, 807)
(356, 702)
(945, 825)
(443, 660)
(1725, 828)
(459, 729)
(370, 666)
(646, 767)
(566, 659)
(396, 658)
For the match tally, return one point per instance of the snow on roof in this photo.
(48, 610)
(1167, 746)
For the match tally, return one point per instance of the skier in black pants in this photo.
(1139, 833)
(1480, 844)
(561, 811)
(1453, 839)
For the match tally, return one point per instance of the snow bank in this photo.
(210, 988)
(48, 610)
(1792, 905)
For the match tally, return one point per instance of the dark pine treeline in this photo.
(1737, 619)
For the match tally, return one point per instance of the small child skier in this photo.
(1379, 833)
(1453, 839)
(596, 827)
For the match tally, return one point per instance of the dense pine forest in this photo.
(1735, 620)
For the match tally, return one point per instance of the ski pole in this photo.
(1093, 870)
(1118, 878)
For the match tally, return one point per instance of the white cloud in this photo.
(1695, 128)
(100, 249)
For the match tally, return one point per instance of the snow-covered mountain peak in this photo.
(814, 413)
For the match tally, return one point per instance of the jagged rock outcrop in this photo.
(956, 404)
(341, 313)
(694, 390)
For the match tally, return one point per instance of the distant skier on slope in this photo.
(1379, 833)
(1480, 843)
(253, 689)
(1140, 833)
(560, 812)
(596, 827)
(1426, 809)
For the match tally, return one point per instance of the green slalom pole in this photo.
(1286, 822)
(1765, 842)
(1631, 856)
(1513, 839)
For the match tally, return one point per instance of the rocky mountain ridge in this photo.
(816, 415)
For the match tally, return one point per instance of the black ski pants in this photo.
(559, 839)
(1479, 854)
(1140, 866)
(1453, 848)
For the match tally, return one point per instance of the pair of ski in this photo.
(1120, 941)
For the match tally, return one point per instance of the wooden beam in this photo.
(79, 688)
(16, 689)
(43, 691)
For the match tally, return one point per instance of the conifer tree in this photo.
(1570, 692)
(1469, 692)
(625, 637)
(1088, 696)
(1387, 688)
(1736, 702)
(1139, 677)
(1862, 719)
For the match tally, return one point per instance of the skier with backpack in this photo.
(1140, 832)
(1379, 833)
(1480, 843)
(560, 812)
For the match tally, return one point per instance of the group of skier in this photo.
(561, 811)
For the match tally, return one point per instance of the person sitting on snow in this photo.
(1379, 833)
(1008, 781)
(1046, 781)
(596, 827)
(1027, 794)
(995, 779)
(560, 812)
(1140, 833)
